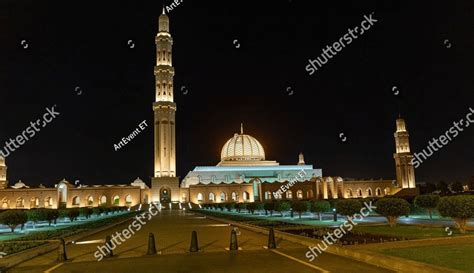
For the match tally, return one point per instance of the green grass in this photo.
(21, 242)
(452, 256)
(408, 231)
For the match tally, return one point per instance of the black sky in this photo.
(85, 44)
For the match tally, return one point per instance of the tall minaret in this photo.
(3, 173)
(403, 157)
(164, 106)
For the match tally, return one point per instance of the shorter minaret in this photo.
(301, 159)
(3, 173)
(403, 157)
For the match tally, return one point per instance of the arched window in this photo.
(309, 194)
(90, 200)
(289, 195)
(234, 196)
(268, 195)
(128, 200)
(20, 202)
(246, 196)
(349, 193)
(5, 203)
(76, 201)
(299, 194)
(378, 192)
(369, 191)
(359, 192)
(200, 197)
(223, 197)
(48, 202)
(103, 200)
(212, 197)
(116, 200)
(387, 191)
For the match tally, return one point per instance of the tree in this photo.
(251, 208)
(429, 188)
(269, 206)
(98, 211)
(72, 214)
(320, 207)
(442, 186)
(392, 209)
(348, 207)
(35, 215)
(460, 208)
(13, 218)
(456, 187)
(428, 202)
(282, 206)
(300, 207)
(52, 215)
(471, 184)
(241, 206)
(229, 206)
(87, 212)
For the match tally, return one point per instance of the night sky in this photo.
(424, 49)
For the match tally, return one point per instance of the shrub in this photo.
(300, 207)
(282, 206)
(348, 207)
(428, 202)
(456, 187)
(241, 206)
(52, 215)
(229, 206)
(320, 207)
(269, 206)
(392, 209)
(13, 218)
(87, 212)
(72, 214)
(97, 211)
(258, 206)
(36, 215)
(460, 208)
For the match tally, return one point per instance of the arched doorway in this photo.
(165, 195)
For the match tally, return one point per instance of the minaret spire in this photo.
(164, 106)
(241, 128)
(403, 156)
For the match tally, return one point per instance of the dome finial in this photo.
(241, 128)
(163, 10)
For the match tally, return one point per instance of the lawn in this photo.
(407, 231)
(459, 256)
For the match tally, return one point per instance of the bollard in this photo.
(151, 244)
(194, 242)
(108, 241)
(233, 240)
(62, 250)
(271, 239)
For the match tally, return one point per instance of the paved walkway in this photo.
(172, 230)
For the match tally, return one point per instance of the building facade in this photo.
(244, 174)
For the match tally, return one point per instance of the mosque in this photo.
(244, 174)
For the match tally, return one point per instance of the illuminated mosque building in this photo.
(244, 174)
